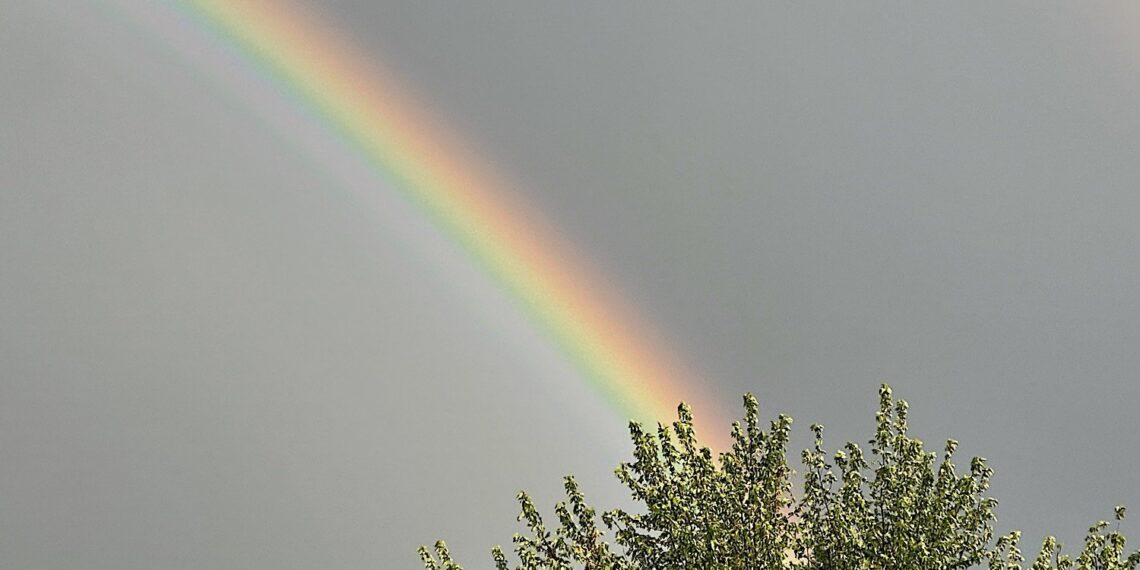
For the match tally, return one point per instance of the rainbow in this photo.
(465, 198)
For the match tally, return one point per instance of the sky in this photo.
(229, 343)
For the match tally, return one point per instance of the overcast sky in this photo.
(213, 355)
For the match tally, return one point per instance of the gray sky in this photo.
(213, 355)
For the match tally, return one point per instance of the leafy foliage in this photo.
(898, 510)
(902, 508)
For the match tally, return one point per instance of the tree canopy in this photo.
(900, 508)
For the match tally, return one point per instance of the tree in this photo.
(902, 508)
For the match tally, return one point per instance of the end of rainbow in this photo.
(473, 204)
